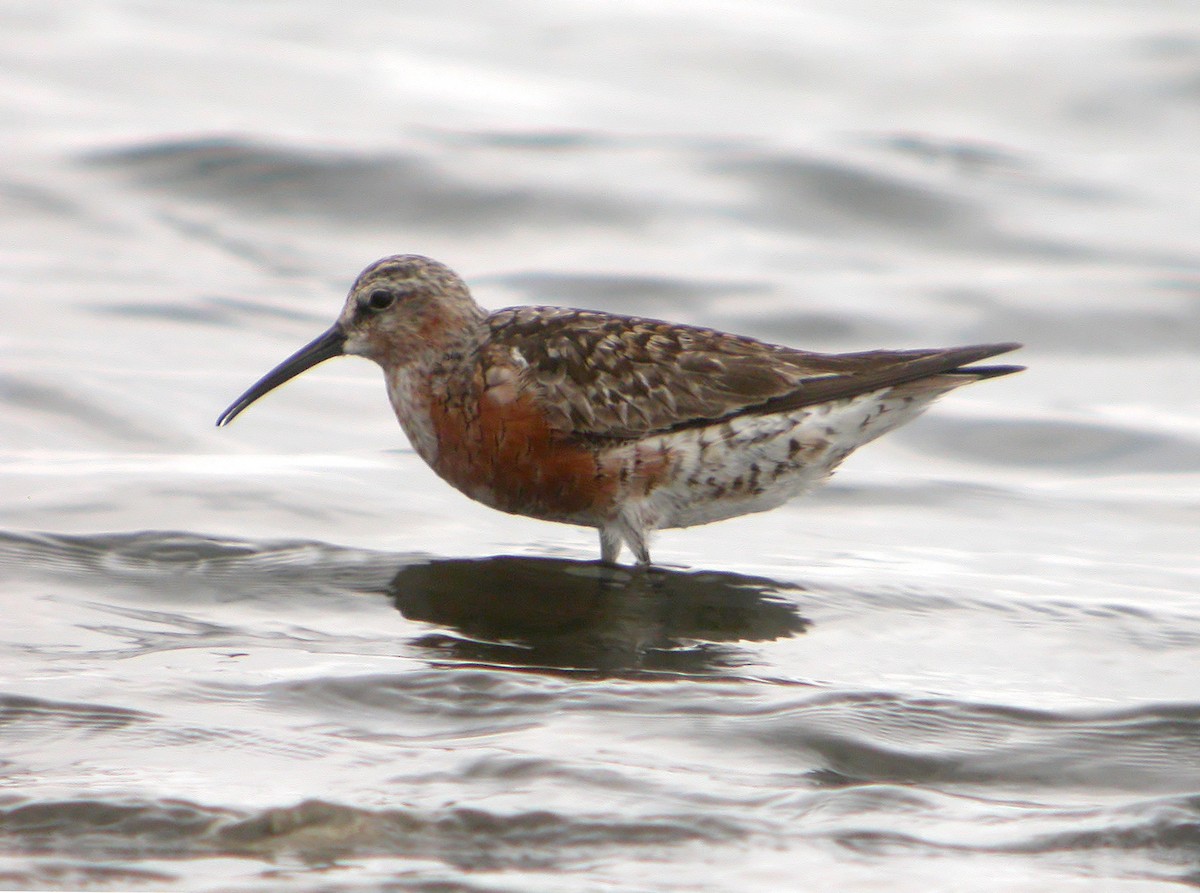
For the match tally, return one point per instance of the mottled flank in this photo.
(624, 424)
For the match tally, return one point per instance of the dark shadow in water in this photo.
(586, 616)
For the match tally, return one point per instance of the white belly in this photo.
(756, 463)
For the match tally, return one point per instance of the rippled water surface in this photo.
(284, 655)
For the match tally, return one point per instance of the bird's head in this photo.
(399, 310)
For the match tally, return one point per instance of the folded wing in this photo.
(607, 376)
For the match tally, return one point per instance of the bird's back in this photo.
(606, 376)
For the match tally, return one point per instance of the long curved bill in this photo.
(318, 350)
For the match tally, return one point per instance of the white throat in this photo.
(408, 389)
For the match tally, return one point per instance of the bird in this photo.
(620, 423)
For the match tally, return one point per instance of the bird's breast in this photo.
(488, 438)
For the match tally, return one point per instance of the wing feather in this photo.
(608, 376)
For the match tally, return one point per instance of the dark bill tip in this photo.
(316, 351)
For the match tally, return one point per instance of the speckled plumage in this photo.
(619, 423)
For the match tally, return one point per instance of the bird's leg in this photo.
(610, 545)
(638, 545)
(631, 527)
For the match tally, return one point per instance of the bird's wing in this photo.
(608, 376)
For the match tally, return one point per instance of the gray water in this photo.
(284, 655)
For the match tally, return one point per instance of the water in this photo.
(283, 655)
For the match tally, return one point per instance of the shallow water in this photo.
(283, 655)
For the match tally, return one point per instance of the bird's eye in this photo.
(381, 299)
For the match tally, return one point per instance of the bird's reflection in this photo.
(585, 616)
